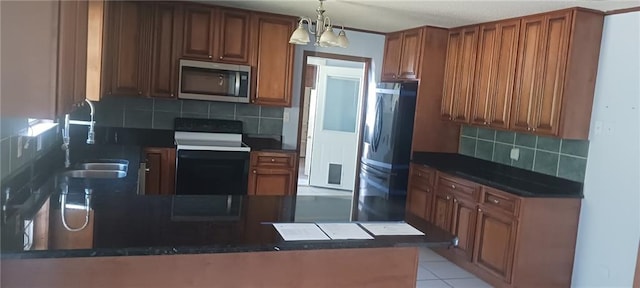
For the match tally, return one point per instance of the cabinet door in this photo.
(505, 69)
(420, 201)
(523, 108)
(555, 43)
(450, 77)
(411, 54)
(72, 55)
(464, 74)
(485, 73)
(269, 182)
(463, 226)
(125, 48)
(199, 32)
(391, 60)
(233, 44)
(161, 171)
(166, 30)
(273, 60)
(495, 243)
(442, 211)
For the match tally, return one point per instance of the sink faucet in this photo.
(65, 132)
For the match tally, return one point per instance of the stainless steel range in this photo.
(211, 158)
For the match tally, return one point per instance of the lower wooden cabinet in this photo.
(420, 191)
(495, 243)
(160, 171)
(442, 208)
(463, 225)
(272, 173)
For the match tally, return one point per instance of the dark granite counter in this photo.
(123, 224)
(266, 144)
(509, 179)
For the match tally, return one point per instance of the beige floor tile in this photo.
(446, 270)
(431, 284)
(427, 255)
(424, 274)
(467, 283)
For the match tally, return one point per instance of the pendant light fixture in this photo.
(324, 35)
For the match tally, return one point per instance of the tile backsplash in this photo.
(134, 112)
(563, 158)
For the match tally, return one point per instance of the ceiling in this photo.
(389, 16)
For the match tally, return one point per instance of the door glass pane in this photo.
(341, 104)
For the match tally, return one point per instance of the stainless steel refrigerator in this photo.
(387, 140)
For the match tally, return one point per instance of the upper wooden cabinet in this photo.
(216, 34)
(495, 69)
(402, 55)
(199, 32)
(167, 30)
(556, 71)
(459, 74)
(44, 57)
(272, 173)
(533, 74)
(272, 59)
(234, 44)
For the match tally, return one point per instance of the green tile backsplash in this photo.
(135, 112)
(563, 158)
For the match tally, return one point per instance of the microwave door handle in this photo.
(237, 92)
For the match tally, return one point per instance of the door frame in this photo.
(367, 75)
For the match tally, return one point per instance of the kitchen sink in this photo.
(94, 174)
(103, 166)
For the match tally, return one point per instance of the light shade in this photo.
(300, 36)
(329, 38)
(342, 39)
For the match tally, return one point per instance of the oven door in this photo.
(212, 172)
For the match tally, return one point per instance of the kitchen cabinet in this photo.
(199, 32)
(272, 59)
(420, 192)
(48, 68)
(234, 44)
(272, 173)
(402, 55)
(459, 74)
(167, 29)
(159, 171)
(495, 243)
(495, 73)
(507, 240)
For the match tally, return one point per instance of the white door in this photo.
(309, 128)
(336, 129)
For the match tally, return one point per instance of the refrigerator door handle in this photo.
(377, 128)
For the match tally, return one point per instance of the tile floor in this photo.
(435, 271)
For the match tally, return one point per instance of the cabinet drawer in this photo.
(272, 159)
(459, 187)
(423, 174)
(500, 200)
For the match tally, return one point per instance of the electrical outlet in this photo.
(285, 116)
(19, 152)
(515, 154)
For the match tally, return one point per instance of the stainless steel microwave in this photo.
(201, 80)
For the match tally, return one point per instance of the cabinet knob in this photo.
(455, 200)
(221, 57)
(254, 171)
(533, 129)
(139, 92)
(210, 56)
(171, 94)
(273, 160)
(528, 128)
(450, 118)
(428, 190)
(479, 210)
(485, 122)
(108, 92)
(453, 186)
(394, 76)
(419, 174)
(448, 197)
(496, 201)
(147, 170)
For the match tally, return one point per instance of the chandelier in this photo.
(323, 32)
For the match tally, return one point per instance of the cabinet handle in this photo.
(210, 56)
(254, 171)
(496, 201)
(273, 160)
(453, 186)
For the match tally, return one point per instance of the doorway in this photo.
(330, 126)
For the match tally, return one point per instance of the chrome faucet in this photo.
(65, 132)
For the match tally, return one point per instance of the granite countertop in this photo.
(123, 224)
(266, 144)
(509, 179)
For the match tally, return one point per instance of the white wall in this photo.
(609, 228)
(361, 44)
